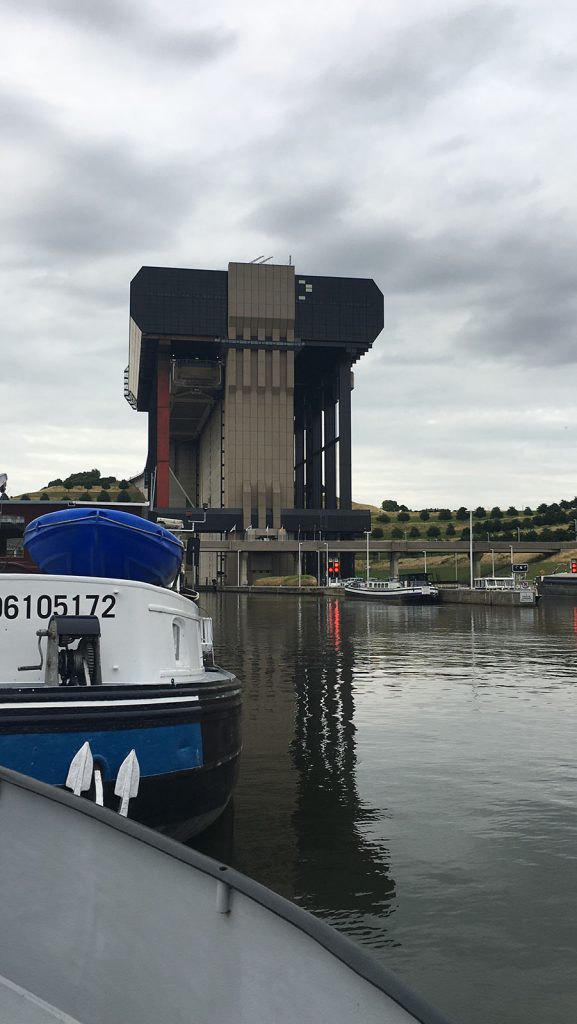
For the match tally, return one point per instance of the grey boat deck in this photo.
(20, 1007)
(111, 922)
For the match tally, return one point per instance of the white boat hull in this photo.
(152, 694)
(395, 595)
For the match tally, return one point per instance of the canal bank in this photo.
(506, 598)
(447, 595)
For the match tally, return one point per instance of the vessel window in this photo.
(176, 639)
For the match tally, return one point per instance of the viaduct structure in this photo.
(246, 376)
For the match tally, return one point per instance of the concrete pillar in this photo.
(476, 565)
(394, 564)
(244, 568)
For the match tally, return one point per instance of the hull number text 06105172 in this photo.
(45, 605)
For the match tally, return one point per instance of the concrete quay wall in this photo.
(463, 595)
(450, 595)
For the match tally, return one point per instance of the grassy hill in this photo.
(85, 486)
(547, 522)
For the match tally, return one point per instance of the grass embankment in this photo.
(444, 569)
(286, 581)
(114, 494)
(449, 525)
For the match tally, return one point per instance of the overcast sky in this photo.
(430, 146)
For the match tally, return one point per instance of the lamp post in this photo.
(492, 562)
(368, 534)
(425, 554)
(326, 543)
(300, 542)
(471, 547)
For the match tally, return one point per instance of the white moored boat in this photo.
(521, 590)
(107, 685)
(394, 591)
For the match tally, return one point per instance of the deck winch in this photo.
(68, 665)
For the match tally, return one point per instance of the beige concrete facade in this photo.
(258, 433)
(261, 302)
(259, 392)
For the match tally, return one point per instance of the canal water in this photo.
(409, 774)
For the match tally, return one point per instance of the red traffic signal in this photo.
(337, 566)
(331, 567)
(574, 565)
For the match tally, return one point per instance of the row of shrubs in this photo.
(558, 512)
(479, 533)
(88, 479)
(122, 496)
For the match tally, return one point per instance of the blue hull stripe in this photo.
(160, 750)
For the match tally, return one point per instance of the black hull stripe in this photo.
(74, 718)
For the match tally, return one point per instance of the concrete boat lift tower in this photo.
(246, 376)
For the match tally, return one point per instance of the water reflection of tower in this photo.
(255, 639)
(340, 873)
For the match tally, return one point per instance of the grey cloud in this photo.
(490, 192)
(104, 201)
(89, 198)
(407, 262)
(418, 64)
(513, 289)
(308, 210)
(199, 47)
(107, 16)
(130, 24)
(530, 329)
(23, 118)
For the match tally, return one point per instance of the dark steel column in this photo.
(345, 483)
(330, 447)
(299, 429)
(317, 452)
(309, 451)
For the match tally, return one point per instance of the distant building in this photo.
(246, 377)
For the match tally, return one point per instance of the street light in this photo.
(471, 547)
(368, 534)
(425, 554)
(300, 542)
(326, 543)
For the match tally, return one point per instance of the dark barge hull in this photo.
(187, 740)
(558, 586)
